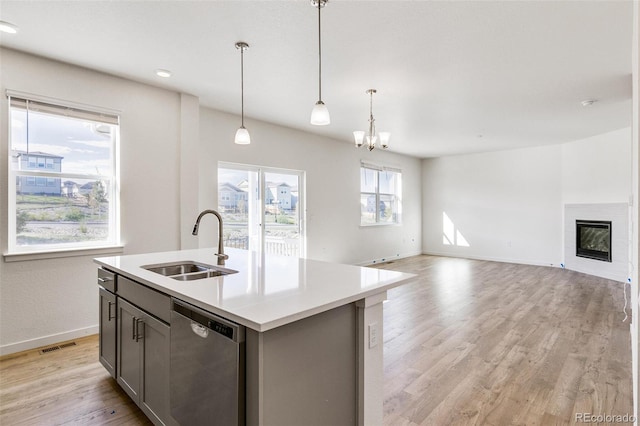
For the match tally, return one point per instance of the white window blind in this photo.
(81, 112)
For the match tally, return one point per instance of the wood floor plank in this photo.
(469, 343)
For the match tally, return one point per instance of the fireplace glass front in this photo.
(593, 239)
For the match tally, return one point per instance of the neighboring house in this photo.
(42, 161)
(232, 198)
(87, 188)
(244, 185)
(235, 198)
(281, 194)
(70, 189)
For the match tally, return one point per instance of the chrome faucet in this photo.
(221, 256)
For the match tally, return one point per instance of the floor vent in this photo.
(57, 347)
(49, 349)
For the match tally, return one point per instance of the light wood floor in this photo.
(470, 342)
(487, 343)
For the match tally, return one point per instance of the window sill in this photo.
(52, 254)
(374, 225)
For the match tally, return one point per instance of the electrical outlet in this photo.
(373, 334)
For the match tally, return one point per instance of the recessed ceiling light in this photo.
(7, 27)
(163, 73)
(588, 102)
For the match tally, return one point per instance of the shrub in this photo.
(74, 215)
(21, 221)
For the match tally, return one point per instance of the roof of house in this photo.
(277, 184)
(229, 187)
(38, 153)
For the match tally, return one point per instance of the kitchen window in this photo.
(63, 161)
(380, 195)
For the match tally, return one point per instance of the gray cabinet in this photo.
(129, 349)
(108, 330)
(143, 360)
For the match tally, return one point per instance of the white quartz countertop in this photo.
(268, 291)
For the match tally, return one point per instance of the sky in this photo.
(85, 150)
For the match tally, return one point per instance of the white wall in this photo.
(170, 148)
(597, 169)
(46, 301)
(332, 186)
(509, 205)
(506, 205)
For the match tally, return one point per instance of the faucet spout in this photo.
(220, 255)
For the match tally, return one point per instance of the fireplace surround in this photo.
(618, 213)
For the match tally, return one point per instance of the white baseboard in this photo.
(26, 345)
(494, 259)
(388, 259)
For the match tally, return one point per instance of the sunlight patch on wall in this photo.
(450, 235)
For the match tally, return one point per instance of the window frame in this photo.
(396, 195)
(62, 108)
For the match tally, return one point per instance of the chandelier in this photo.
(372, 137)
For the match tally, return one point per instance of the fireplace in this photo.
(593, 239)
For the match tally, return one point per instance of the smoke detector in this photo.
(588, 102)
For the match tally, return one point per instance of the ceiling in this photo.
(452, 76)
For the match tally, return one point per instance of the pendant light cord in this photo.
(242, 83)
(319, 55)
(371, 120)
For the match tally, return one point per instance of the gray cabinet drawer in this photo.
(107, 279)
(148, 299)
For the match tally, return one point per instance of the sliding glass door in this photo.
(262, 208)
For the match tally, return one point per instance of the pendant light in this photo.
(372, 137)
(242, 134)
(320, 113)
(8, 27)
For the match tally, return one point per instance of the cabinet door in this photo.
(154, 399)
(129, 349)
(108, 311)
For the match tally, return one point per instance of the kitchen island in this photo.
(313, 338)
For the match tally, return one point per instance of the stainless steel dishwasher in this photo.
(207, 368)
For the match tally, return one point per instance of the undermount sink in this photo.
(201, 275)
(188, 270)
